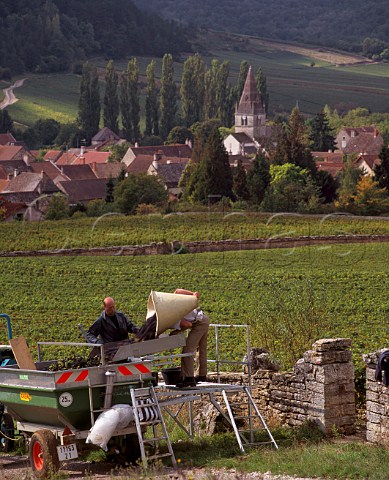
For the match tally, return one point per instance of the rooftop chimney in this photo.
(16, 172)
(82, 150)
(94, 167)
(136, 145)
(26, 159)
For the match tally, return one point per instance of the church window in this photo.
(244, 120)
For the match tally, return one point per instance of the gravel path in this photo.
(9, 94)
(16, 467)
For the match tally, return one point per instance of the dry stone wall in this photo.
(377, 403)
(320, 388)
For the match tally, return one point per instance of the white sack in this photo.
(117, 417)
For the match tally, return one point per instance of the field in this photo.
(338, 290)
(115, 229)
(334, 78)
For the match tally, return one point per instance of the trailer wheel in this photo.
(43, 454)
(7, 433)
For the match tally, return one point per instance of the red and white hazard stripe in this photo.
(133, 369)
(73, 377)
(126, 370)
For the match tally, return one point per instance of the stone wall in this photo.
(177, 247)
(320, 388)
(377, 403)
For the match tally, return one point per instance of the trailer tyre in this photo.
(43, 454)
(7, 433)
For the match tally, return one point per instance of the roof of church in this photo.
(250, 102)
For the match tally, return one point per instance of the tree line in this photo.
(57, 35)
(205, 93)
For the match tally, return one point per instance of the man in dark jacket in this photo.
(111, 326)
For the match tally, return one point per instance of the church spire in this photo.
(250, 112)
(250, 101)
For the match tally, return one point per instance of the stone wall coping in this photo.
(325, 344)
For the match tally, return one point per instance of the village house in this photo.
(52, 155)
(169, 173)
(359, 140)
(105, 137)
(27, 187)
(367, 163)
(83, 191)
(7, 139)
(49, 169)
(83, 157)
(11, 211)
(16, 152)
(331, 162)
(175, 153)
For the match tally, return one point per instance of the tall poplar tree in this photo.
(129, 101)
(89, 102)
(192, 89)
(168, 96)
(222, 93)
(151, 106)
(262, 88)
(125, 106)
(133, 78)
(111, 98)
(243, 71)
(211, 79)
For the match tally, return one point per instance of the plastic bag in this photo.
(117, 417)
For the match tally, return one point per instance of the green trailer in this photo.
(55, 410)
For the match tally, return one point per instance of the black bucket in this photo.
(171, 376)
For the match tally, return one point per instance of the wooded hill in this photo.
(332, 23)
(53, 35)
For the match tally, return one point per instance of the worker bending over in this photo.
(198, 323)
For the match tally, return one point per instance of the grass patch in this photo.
(46, 96)
(302, 452)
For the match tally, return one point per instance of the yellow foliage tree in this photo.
(369, 198)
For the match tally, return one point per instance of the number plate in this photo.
(67, 452)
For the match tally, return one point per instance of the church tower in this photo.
(250, 112)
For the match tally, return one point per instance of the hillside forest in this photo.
(57, 35)
(361, 26)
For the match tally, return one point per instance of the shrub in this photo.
(145, 209)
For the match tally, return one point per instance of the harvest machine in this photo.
(56, 410)
(111, 405)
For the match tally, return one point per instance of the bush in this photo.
(96, 208)
(145, 209)
(240, 205)
(58, 207)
